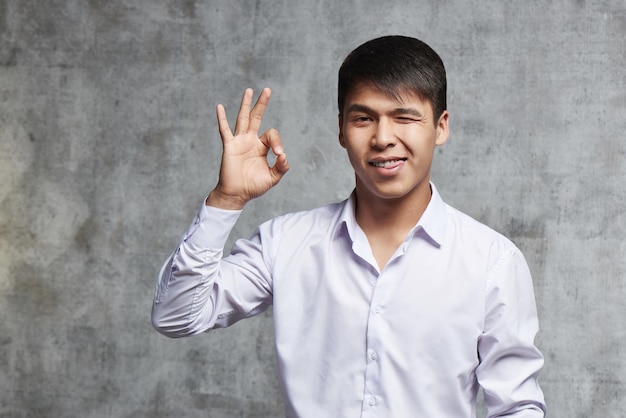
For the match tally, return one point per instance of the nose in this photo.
(384, 136)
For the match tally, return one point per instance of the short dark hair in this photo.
(393, 63)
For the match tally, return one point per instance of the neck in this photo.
(386, 222)
(395, 216)
(382, 212)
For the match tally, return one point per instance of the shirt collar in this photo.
(347, 217)
(434, 219)
(432, 222)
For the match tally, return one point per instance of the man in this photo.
(389, 304)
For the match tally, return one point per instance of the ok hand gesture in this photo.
(245, 172)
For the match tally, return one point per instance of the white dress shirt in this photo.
(453, 309)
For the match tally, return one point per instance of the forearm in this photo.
(184, 298)
(510, 362)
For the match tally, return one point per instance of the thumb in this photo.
(280, 168)
(271, 139)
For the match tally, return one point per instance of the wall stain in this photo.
(182, 9)
(30, 292)
(85, 234)
(9, 58)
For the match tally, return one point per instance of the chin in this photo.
(388, 194)
(396, 193)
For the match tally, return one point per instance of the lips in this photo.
(388, 163)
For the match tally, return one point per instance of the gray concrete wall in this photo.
(108, 145)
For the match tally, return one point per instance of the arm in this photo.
(196, 289)
(509, 361)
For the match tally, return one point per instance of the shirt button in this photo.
(371, 401)
(378, 309)
(373, 356)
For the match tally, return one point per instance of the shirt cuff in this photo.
(211, 227)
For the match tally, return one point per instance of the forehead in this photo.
(377, 98)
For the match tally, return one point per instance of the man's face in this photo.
(390, 142)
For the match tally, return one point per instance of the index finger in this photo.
(222, 123)
(256, 115)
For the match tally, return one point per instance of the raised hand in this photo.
(245, 172)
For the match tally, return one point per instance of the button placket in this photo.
(373, 389)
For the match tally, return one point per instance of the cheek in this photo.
(422, 141)
(355, 158)
(348, 141)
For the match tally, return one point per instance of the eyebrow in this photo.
(396, 111)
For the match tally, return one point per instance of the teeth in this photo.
(384, 163)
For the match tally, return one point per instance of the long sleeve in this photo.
(453, 310)
(509, 361)
(198, 290)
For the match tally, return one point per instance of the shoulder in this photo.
(303, 221)
(473, 234)
(487, 250)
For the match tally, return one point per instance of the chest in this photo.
(421, 292)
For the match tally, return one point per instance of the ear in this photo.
(340, 122)
(443, 130)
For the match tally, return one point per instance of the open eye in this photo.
(361, 120)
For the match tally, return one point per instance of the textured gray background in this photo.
(108, 145)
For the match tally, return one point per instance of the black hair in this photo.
(394, 63)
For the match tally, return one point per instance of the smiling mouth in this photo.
(386, 163)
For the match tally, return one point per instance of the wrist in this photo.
(220, 200)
